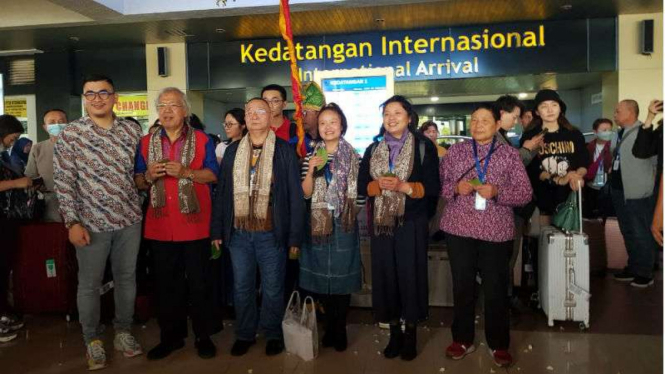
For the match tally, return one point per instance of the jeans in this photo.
(123, 247)
(634, 216)
(467, 256)
(249, 250)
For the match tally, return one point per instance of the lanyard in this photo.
(482, 172)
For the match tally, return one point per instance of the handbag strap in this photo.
(295, 293)
(304, 309)
(579, 202)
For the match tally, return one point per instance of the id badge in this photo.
(481, 202)
(616, 165)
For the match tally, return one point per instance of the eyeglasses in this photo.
(230, 124)
(91, 95)
(274, 102)
(163, 106)
(258, 112)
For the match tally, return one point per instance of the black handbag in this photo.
(20, 204)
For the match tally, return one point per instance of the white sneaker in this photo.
(127, 344)
(96, 355)
(7, 334)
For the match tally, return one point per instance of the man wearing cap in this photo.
(312, 102)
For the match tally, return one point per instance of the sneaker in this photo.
(624, 276)
(240, 347)
(96, 355)
(6, 334)
(501, 357)
(457, 351)
(127, 344)
(642, 282)
(11, 322)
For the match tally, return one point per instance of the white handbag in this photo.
(299, 327)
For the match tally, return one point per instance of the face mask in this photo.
(55, 129)
(605, 135)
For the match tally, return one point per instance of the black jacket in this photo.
(288, 203)
(425, 172)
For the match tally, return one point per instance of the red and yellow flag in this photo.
(287, 35)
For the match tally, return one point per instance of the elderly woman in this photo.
(259, 213)
(399, 175)
(484, 180)
(10, 130)
(330, 260)
(177, 164)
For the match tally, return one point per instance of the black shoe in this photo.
(642, 282)
(240, 347)
(341, 341)
(274, 347)
(394, 347)
(205, 348)
(624, 276)
(409, 347)
(163, 350)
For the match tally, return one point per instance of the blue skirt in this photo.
(332, 267)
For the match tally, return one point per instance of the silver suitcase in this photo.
(563, 280)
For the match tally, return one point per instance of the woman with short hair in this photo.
(330, 259)
(483, 180)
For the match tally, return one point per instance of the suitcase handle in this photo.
(579, 202)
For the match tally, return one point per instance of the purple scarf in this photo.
(395, 145)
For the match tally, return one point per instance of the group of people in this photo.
(256, 199)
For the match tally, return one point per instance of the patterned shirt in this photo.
(505, 171)
(94, 174)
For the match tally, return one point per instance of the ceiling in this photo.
(85, 24)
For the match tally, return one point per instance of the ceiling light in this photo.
(20, 52)
(220, 31)
(434, 98)
(567, 7)
(74, 38)
(522, 95)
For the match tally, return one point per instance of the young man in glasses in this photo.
(284, 129)
(99, 202)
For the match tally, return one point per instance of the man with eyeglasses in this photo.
(275, 96)
(258, 211)
(99, 203)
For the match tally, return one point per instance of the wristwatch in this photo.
(190, 176)
(410, 191)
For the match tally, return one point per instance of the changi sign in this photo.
(456, 52)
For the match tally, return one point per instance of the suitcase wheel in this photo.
(584, 326)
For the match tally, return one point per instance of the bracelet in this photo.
(148, 180)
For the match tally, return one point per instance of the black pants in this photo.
(9, 244)
(182, 276)
(336, 308)
(399, 273)
(467, 257)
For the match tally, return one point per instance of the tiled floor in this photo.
(625, 337)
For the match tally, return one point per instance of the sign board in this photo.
(359, 92)
(131, 106)
(24, 108)
(517, 48)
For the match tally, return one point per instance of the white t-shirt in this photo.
(219, 151)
